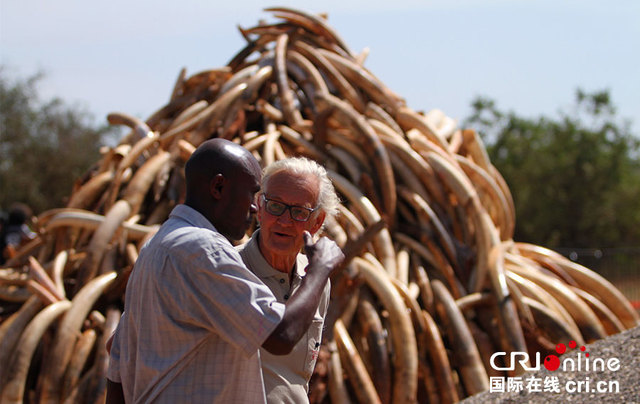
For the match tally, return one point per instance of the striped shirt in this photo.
(194, 319)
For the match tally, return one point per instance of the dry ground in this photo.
(625, 346)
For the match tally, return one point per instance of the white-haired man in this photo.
(296, 197)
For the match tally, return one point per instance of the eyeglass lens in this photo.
(297, 213)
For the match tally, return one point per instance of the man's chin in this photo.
(285, 246)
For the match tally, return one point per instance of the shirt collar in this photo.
(192, 216)
(261, 267)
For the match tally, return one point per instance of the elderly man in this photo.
(194, 316)
(296, 197)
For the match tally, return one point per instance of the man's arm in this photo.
(324, 256)
(115, 394)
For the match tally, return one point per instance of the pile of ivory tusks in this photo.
(433, 284)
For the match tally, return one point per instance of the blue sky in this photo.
(529, 56)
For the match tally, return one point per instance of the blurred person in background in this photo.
(15, 230)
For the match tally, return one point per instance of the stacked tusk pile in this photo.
(433, 284)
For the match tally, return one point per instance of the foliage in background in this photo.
(575, 180)
(44, 146)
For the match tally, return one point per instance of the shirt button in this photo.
(286, 297)
(281, 280)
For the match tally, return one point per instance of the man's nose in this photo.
(285, 217)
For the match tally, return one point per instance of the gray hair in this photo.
(328, 200)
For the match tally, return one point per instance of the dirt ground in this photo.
(599, 386)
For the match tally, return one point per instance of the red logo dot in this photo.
(561, 348)
(572, 344)
(552, 362)
(582, 348)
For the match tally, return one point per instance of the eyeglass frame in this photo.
(288, 207)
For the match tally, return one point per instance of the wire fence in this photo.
(620, 266)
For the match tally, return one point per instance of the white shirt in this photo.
(286, 377)
(194, 319)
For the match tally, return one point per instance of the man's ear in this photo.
(317, 222)
(216, 185)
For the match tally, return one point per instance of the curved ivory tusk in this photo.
(375, 111)
(11, 329)
(178, 87)
(406, 177)
(382, 241)
(103, 235)
(347, 162)
(439, 361)
(609, 320)
(97, 387)
(140, 128)
(551, 324)
(188, 113)
(353, 364)
(39, 275)
(374, 333)
(364, 80)
(373, 146)
(269, 152)
(302, 145)
(15, 293)
(19, 366)
(291, 113)
(592, 283)
(403, 258)
(312, 23)
(405, 361)
(417, 164)
(471, 369)
(407, 118)
(494, 200)
(92, 221)
(533, 291)
(421, 206)
(30, 248)
(66, 335)
(312, 73)
(337, 390)
(506, 305)
(205, 118)
(57, 272)
(241, 76)
(348, 143)
(585, 318)
(81, 351)
(412, 305)
(141, 182)
(343, 87)
(126, 163)
(90, 191)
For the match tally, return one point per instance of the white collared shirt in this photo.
(286, 377)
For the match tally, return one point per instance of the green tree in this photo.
(575, 180)
(44, 146)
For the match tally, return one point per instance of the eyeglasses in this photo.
(298, 213)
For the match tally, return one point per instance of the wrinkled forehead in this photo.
(303, 188)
